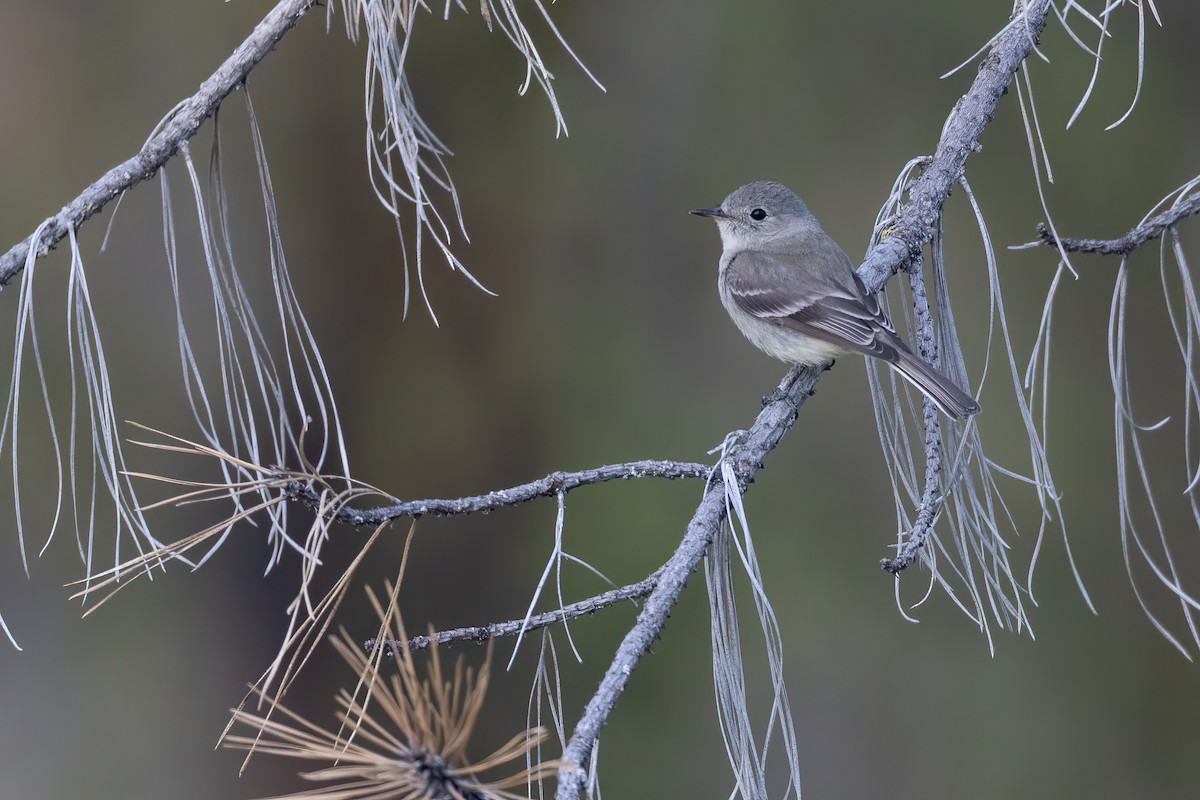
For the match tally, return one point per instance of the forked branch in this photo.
(913, 227)
(746, 456)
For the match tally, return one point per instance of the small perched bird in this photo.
(794, 293)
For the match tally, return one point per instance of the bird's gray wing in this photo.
(816, 293)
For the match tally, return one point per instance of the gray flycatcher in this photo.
(794, 294)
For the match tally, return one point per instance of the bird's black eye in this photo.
(758, 214)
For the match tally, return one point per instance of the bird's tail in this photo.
(953, 401)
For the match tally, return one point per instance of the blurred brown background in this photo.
(607, 343)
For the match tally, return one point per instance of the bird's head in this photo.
(757, 213)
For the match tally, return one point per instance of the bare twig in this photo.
(931, 497)
(480, 634)
(1149, 230)
(180, 126)
(546, 486)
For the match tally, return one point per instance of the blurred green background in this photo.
(607, 343)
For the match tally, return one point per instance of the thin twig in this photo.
(931, 498)
(181, 125)
(1149, 230)
(914, 226)
(480, 634)
(546, 486)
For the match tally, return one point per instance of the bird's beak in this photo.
(716, 213)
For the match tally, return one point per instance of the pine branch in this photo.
(483, 633)
(547, 486)
(179, 126)
(1124, 245)
(912, 229)
(915, 222)
(914, 226)
(931, 498)
(746, 455)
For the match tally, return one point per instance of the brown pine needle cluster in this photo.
(263, 489)
(400, 736)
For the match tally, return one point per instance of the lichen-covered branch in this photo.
(746, 455)
(913, 227)
(931, 497)
(915, 222)
(180, 126)
(546, 486)
(1149, 230)
(484, 633)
